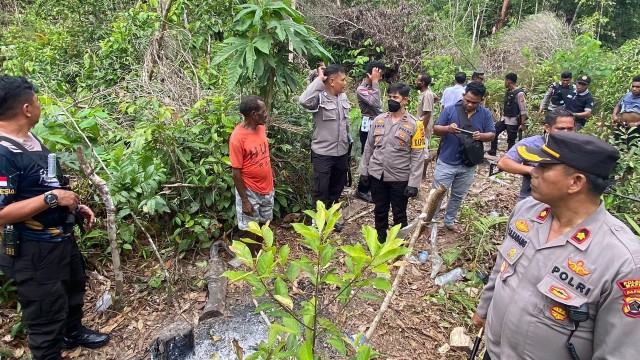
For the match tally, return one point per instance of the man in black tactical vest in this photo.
(557, 93)
(38, 212)
(515, 113)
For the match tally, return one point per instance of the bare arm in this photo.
(309, 98)
(25, 209)
(513, 167)
(247, 208)
(616, 111)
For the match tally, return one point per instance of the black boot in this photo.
(86, 338)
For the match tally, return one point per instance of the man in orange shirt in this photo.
(251, 166)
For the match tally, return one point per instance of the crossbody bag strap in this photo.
(25, 151)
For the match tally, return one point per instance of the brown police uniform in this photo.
(393, 159)
(330, 143)
(534, 284)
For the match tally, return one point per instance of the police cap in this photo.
(579, 151)
(584, 79)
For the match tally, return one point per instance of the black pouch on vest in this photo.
(11, 240)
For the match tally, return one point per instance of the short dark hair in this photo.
(249, 104)
(333, 69)
(597, 185)
(375, 64)
(425, 79)
(461, 78)
(512, 76)
(566, 75)
(15, 91)
(551, 117)
(636, 79)
(399, 88)
(476, 88)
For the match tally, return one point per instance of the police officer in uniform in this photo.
(557, 93)
(38, 246)
(515, 113)
(566, 284)
(580, 102)
(325, 97)
(368, 95)
(393, 159)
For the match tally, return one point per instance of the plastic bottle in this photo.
(453, 275)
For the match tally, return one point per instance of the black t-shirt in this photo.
(577, 103)
(22, 178)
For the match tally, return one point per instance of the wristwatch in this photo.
(51, 199)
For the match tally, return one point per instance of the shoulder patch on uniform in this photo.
(631, 306)
(522, 225)
(418, 140)
(3, 181)
(581, 236)
(542, 216)
(630, 286)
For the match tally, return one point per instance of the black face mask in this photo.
(393, 105)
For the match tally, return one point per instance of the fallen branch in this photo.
(435, 195)
(368, 211)
(112, 230)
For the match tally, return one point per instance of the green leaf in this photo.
(281, 287)
(283, 254)
(242, 252)
(306, 351)
(267, 235)
(264, 263)
(370, 296)
(381, 269)
(381, 283)
(393, 232)
(292, 325)
(127, 247)
(354, 251)
(236, 275)
(229, 47)
(327, 252)
(364, 353)
(263, 43)
(338, 345)
(371, 237)
(292, 271)
(284, 301)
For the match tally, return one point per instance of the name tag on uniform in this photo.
(366, 124)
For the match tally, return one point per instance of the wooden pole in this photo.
(429, 208)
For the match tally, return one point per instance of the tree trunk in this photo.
(503, 16)
(112, 230)
(270, 92)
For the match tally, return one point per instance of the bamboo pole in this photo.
(429, 208)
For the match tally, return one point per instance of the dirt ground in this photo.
(416, 326)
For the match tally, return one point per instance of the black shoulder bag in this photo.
(472, 150)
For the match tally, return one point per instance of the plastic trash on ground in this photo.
(453, 275)
(104, 302)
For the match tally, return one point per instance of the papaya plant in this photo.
(264, 34)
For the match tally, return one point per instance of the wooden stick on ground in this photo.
(434, 197)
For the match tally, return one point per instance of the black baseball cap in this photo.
(584, 79)
(579, 151)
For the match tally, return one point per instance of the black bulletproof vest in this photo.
(511, 108)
